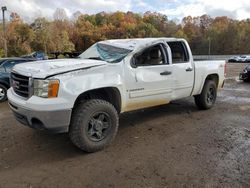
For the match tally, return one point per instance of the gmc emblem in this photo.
(16, 84)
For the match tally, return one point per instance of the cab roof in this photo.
(136, 43)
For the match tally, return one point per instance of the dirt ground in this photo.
(173, 145)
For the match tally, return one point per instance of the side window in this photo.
(2, 69)
(151, 56)
(179, 52)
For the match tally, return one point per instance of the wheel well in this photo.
(109, 94)
(213, 77)
(4, 84)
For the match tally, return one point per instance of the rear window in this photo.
(179, 52)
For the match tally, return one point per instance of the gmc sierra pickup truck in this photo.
(85, 96)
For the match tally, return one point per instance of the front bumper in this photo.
(57, 121)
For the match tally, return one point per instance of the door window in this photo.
(179, 52)
(151, 56)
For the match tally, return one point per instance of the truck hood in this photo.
(43, 69)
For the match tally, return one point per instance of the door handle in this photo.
(189, 69)
(165, 73)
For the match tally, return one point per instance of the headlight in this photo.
(46, 88)
(245, 71)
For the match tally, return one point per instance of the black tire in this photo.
(246, 80)
(3, 93)
(94, 125)
(207, 97)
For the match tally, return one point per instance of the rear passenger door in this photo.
(183, 69)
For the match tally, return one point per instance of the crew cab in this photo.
(84, 96)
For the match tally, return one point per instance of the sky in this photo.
(174, 9)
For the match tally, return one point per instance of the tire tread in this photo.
(5, 88)
(200, 100)
(75, 127)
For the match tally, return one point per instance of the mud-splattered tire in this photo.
(246, 80)
(94, 125)
(3, 93)
(207, 97)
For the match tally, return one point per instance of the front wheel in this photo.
(3, 93)
(94, 125)
(207, 98)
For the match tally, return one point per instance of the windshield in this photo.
(2, 61)
(105, 52)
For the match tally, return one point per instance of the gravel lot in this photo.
(173, 145)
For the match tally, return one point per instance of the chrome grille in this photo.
(20, 84)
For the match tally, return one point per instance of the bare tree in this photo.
(76, 15)
(60, 14)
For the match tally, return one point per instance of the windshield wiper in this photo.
(96, 58)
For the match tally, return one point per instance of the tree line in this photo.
(224, 35)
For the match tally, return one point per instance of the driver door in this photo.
(153, 79)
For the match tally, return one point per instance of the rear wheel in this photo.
(94, 125)
(207, 97)
(3, 93)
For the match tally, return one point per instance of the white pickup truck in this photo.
(84, 96)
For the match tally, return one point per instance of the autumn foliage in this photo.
(226, 36)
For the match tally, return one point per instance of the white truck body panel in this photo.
(139, 87)
(205, 68)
